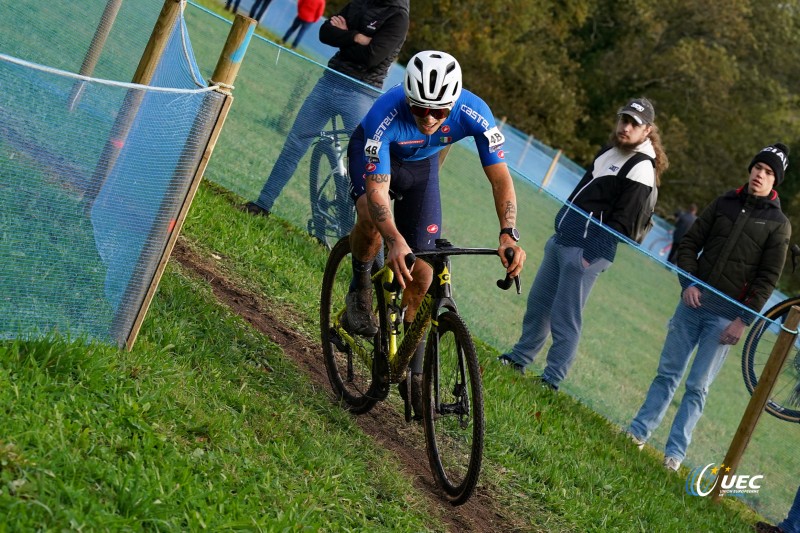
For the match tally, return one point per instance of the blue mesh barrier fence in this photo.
(83, 227)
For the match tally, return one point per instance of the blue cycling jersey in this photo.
(390, 131)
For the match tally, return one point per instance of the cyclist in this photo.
(398, 145)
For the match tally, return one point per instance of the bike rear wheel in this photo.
(453, 408)
(349, 361)
(332, 211)
(784, 403)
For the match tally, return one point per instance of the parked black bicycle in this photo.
(784, 403)
(332, 211)
(361, 370)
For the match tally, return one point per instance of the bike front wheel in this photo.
(453, 408)
(784, 402)
(349, 360)
(332, 211)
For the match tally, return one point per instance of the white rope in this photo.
(64, 73)
(185, 47)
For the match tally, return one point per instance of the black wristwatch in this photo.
(513, 232)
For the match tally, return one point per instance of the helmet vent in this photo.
(432, 81)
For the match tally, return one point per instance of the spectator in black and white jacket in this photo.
(613, 193)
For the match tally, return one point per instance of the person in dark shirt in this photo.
(683, 221)
(258, 8)
(235, 5)
(737, 246)
(369, 35)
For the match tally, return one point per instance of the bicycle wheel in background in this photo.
(453, 408)
(332, 212)
(784, 403)
(349, 370)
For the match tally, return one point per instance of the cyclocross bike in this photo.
(332, 212)
(361, 370)
(785, 400)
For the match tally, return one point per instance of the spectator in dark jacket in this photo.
(308, 12)
(369, 35)
(737, 246)
(683, 221)
(612, 194)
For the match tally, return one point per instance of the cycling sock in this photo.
(416, 362)
(361, 274)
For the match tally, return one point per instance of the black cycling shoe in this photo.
(359, 319)
(255, 209)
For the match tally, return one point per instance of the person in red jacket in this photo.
(308, 12)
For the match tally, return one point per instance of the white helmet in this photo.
(433, 79)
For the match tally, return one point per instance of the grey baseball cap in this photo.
(640, 109)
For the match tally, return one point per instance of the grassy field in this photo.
(206, 425)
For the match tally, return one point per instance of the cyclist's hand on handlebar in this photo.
(514, 267)
(398, 263)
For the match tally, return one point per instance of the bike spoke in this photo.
(784, 401)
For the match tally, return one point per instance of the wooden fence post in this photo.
(550, 171)
(758, 401)
(224, 75)
(133, 98)
(96, 46)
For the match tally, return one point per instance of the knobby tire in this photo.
(332, 211)
(351, 376)
(454, 442)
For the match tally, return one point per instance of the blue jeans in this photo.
(334, 94)
(792, 522)
(555, 306)
(301, 26)
(688, 328)
(258, 8)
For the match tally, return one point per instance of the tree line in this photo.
(723, 77)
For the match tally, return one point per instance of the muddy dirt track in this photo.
(386, 426)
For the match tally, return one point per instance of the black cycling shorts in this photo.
(415, 185)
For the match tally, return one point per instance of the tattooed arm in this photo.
(380, 210)
(505, 203)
